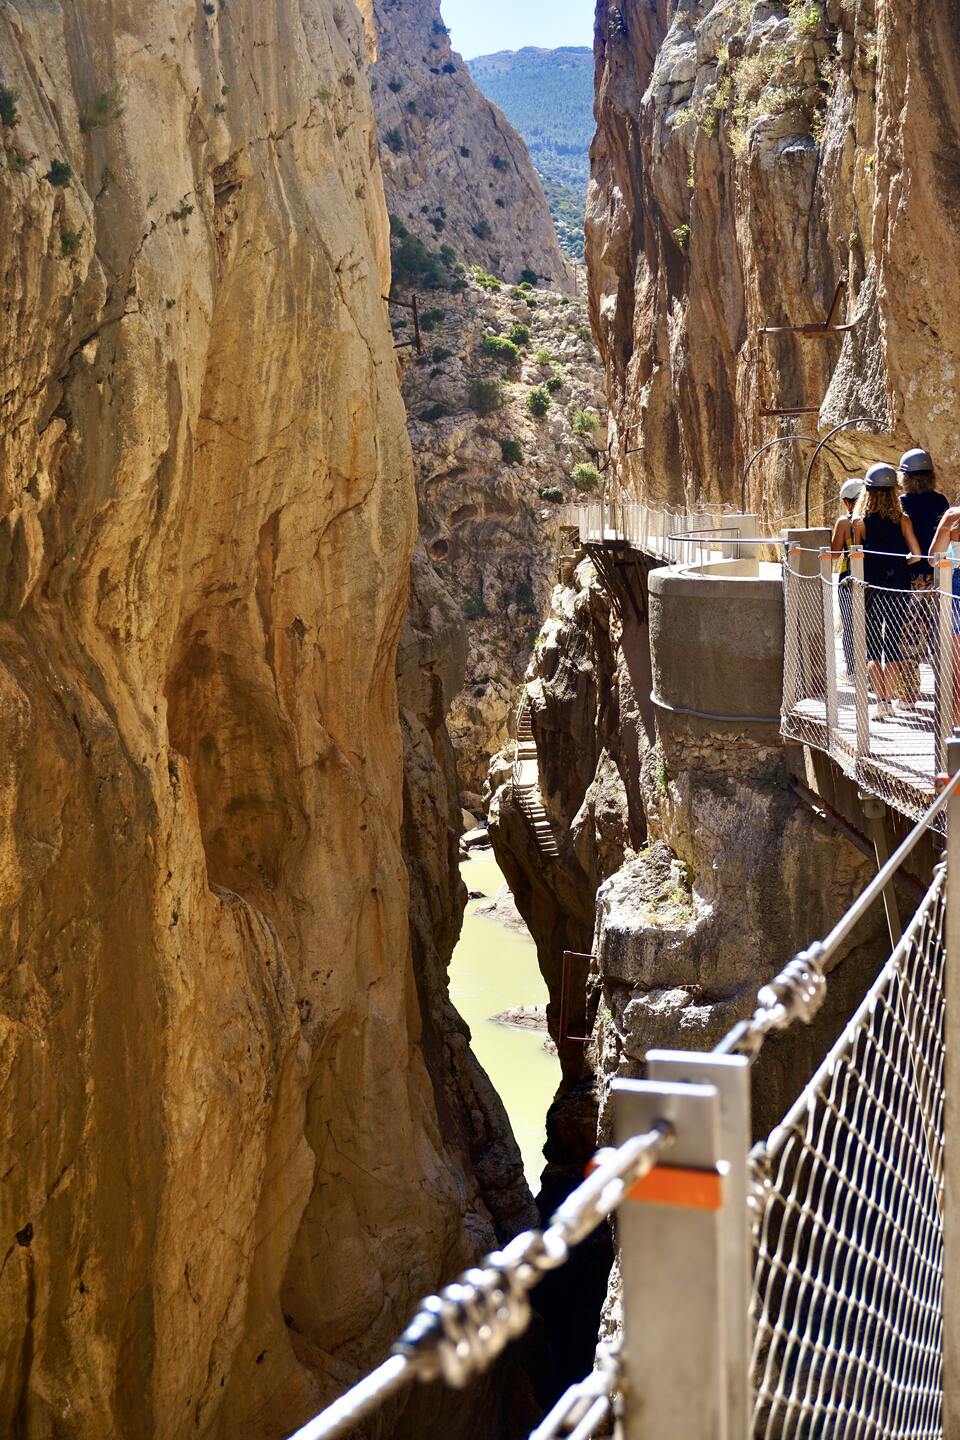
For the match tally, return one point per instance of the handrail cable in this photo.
(842, 1043)
(800, 989)
(457, 1334)
(580, 1409)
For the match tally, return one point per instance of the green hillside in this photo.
(548, 96)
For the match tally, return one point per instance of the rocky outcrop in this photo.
(737, 875)
(587, 684)
(225, 1173)
(455, 170)
(750, 156)
(489, 484)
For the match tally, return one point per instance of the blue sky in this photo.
(479, 27)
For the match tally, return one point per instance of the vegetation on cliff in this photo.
(548, 96)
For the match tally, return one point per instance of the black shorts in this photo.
(886, 613)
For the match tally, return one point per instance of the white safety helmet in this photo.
(850, 489)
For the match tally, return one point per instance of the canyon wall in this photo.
(489, 484)
(226, 1169)
(455, 170)
(749, 157)
(587, 695)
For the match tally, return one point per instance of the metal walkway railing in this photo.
(830, 697)
(845, 1200)
(661, 531)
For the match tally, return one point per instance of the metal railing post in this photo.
(875, 814)
(861, 687)
(791, 651)
(730, 1075)
(951, 1205)
(943, 690)
(672, 1230)
(829, 641)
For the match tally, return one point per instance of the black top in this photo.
(926, 512)
(888, 567)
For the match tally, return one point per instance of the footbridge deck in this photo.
(663, 532)
(891, 746)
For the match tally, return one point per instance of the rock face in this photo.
(749, 156)
(226, 1178)
(455, 170)
(587, 721)
(475, 1126)
(736, 877)
(489, 484)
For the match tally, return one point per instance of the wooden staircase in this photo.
(526, 783)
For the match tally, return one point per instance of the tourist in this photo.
(946, 544)
(886, 534)
(840, 544)
(925, 505)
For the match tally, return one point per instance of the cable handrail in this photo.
(856, 1020)
(457, 1334)
(800, 989)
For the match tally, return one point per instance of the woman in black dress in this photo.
(925, 505)
(886, 533)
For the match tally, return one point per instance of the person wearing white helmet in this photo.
(925, 505)
(945, 546)
(840, 544)
(889, 544)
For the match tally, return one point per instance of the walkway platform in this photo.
(895, 756)
(902, 748)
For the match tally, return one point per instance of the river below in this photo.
(494, 968)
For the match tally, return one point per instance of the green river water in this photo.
(494, 968)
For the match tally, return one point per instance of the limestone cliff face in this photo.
(586, 702)
(736, 876)
(224, 1175)
(455, 170)
(489, 484)
(749, 156)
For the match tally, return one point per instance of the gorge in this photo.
(281, 558)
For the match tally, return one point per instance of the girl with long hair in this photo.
(885, 531)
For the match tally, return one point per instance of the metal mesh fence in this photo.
(868, 677)
(847, 1291)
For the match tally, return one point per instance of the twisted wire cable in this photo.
(457, 1334)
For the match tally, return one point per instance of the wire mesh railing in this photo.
(669, 533)
(869, 673)
(849, 1273)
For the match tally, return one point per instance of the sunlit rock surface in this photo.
(749, 158)
(225, 1173)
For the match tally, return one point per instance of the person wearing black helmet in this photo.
(925, 505)
(889, 545)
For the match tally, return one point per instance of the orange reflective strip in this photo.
(672, 1185)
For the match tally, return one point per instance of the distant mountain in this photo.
(548, 96)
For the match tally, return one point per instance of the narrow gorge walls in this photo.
(226, 1177)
